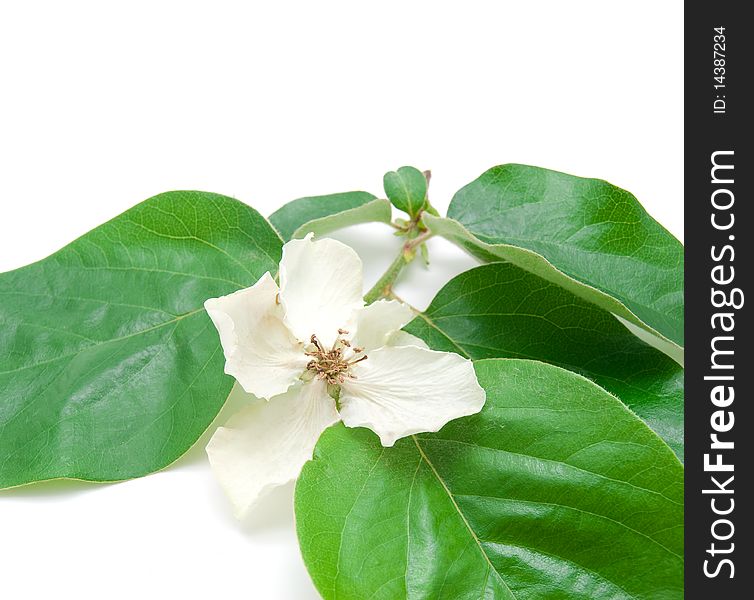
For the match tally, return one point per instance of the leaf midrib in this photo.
(207, 243)
(103, 342)
(610, 293)
(434, 326)
(478, 542)
(490, 566)
(616, 305)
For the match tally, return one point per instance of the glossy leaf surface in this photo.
(555, 490)
(502, 311)
(595, 234)
(109, 366)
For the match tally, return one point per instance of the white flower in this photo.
(313, 337)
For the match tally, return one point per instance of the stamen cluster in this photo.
(332, 365)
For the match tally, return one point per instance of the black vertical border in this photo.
(705, 133)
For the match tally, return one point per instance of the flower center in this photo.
(333, 365)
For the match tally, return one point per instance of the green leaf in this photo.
(589, 236)
(555, 490)
(502, 311)
(323, 214)
(535, 263)
(407, 189)
(109, 366)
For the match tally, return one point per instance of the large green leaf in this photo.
(605, 246)
(555, 490)
(109, 366)
(500, 310)
(323, 214)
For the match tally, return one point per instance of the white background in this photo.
(105, 104)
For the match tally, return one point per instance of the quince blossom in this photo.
(300, 345)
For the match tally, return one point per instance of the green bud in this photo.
(406, 189)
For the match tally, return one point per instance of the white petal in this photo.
(320, 287)
(375, 323)
(404, 338)
(266, 444)
(260, 351)
(406, 390)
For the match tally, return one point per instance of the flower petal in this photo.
(404, 338)
(399, 391)
(376, 322)
(266, 444)
(320, 287)
(260, 351)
